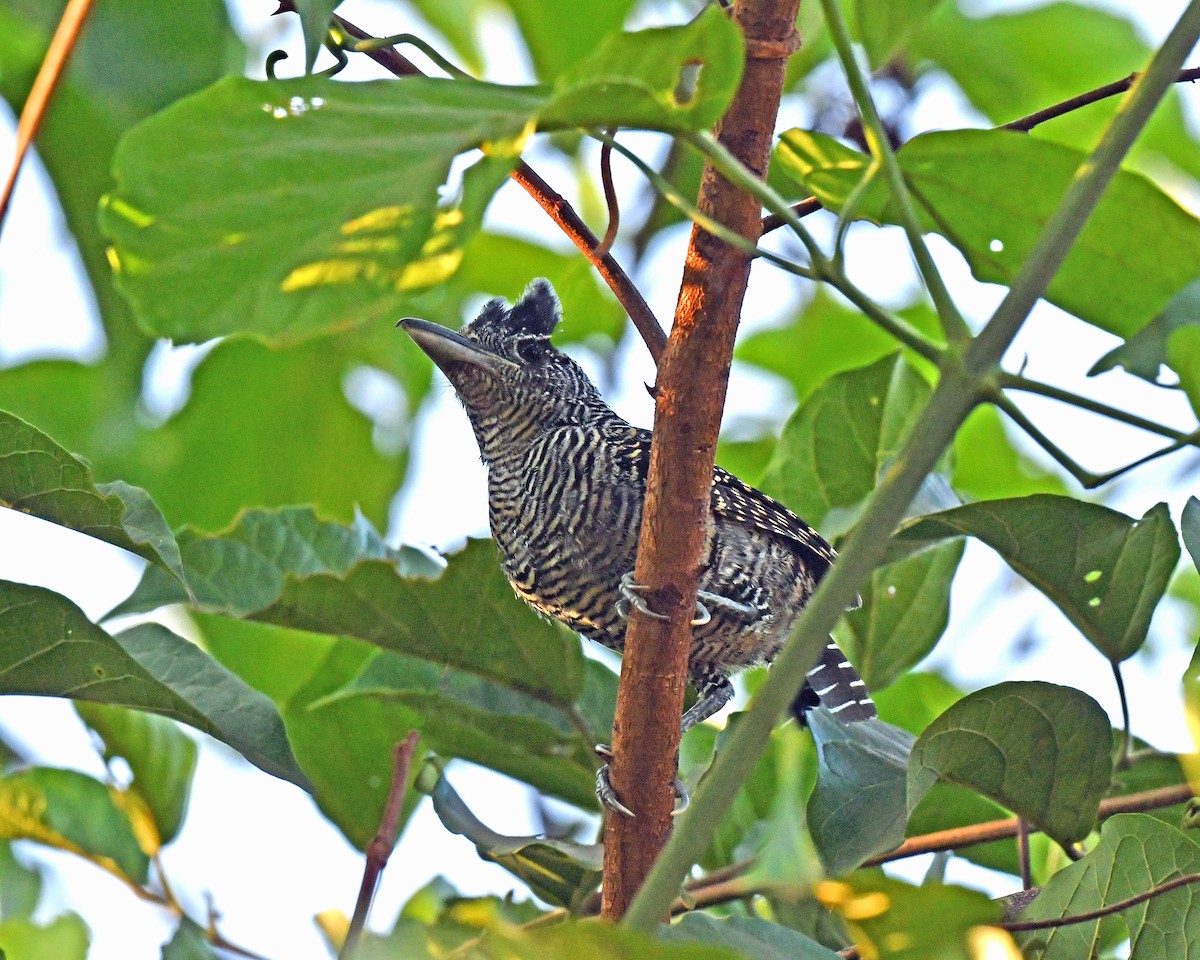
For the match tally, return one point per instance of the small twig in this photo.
(1021, 926)
(49, 73)
(380, 847)
(1086, 478)
(1016, 381)
(957, 838)
(610, 197)
(1025, 124)
(1127, 731)
(1023, 853)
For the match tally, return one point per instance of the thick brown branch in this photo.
(559, 210)
(690, 395)
(1022, 124)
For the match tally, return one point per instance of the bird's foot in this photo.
(732, 606)
(608, 796)
(631, 598)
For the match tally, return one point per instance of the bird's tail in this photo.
(834, 684)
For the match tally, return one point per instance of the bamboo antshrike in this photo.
(566, 485)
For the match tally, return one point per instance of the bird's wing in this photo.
(740, 502)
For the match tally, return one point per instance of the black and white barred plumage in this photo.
(566, 483)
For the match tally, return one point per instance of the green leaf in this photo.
(892, 920)
(20, 886)
(962, 184)
(344, 745)
(1104, 570)
(49, 648)
(1013, 64)
(161, 757)
(40, 478)
(906, 605)
(218, 702)
(291, 208)
(885, 28)
(289, 568)
(1042, 750)
(556, 43)
(751, 937)
(857, 808)
(1136, 852)
(834, 446)
(314, 19)
(574, 940)
(463, 715)
(188, 943)
(1189, 526)
(645, 79)
(1183, 355)
(326, 244)
(63, 938)
(1145, 353)
(71, 811)
(915, 700)
(558, 871)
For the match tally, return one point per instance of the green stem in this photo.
(952, 400)
(699, 217)
(1085, 477)
(953, 325)
(822, 267)
(1013, 381)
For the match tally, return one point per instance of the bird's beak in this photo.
(450, 350)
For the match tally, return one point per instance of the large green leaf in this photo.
(988, 467)
(857, 808)
(293, 570)
(1104, 570)
(1043, 751)
(905, 608)
(833, 448)
(885, 28)
(1013, 64)
(295, 207)
(71, 811)
(49, 648)
(463, 715)
(39, 477)
(1136, 852)
(962, 183)
(161, 757)
(556, 43)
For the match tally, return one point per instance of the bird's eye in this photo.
(533, 351)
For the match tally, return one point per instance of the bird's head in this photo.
(508, 375)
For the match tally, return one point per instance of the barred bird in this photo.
(566, 484)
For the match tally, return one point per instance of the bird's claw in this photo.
(631, 597)
(608, 796)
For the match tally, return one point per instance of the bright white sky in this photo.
(257, 845)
